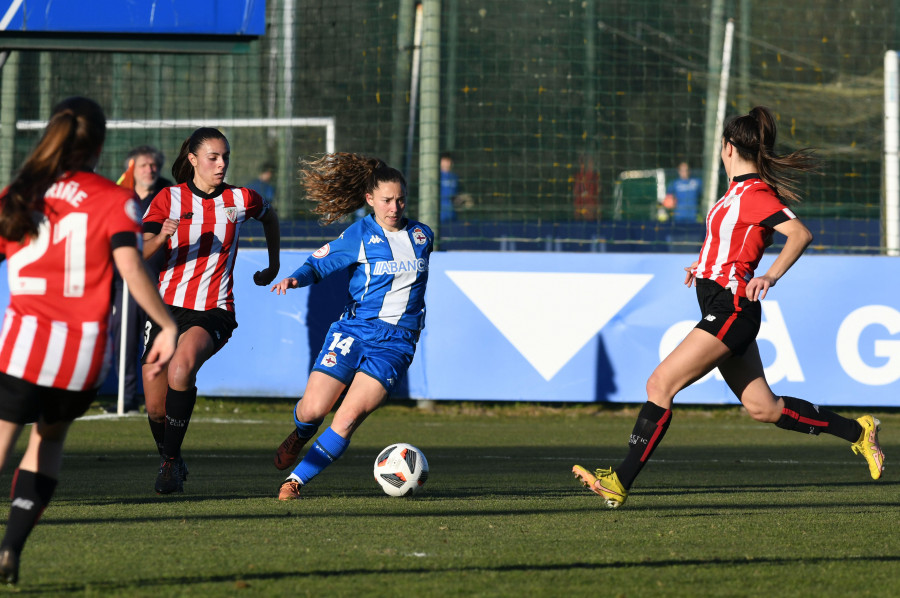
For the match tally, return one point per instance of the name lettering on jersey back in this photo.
(67, 191)
(400, 266)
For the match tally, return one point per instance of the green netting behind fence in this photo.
(558, 113)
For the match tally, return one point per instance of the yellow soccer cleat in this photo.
(868, 447)
(604, 482)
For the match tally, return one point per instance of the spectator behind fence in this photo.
(143, 174)
(449, 188)
(683, 195)
(262, 184)
(586, 190)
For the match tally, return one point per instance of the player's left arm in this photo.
(798, 239)
(272, 232)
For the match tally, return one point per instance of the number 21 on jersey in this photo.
(71, 228)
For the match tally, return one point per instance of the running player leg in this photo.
(692, 359)
(195, 346)
(9, 434)
(321, 394)
(33, 485)
(155, 399)
(364, 396)
(746, 378)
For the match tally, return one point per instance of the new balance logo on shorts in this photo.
(710, 318)
(375, 239)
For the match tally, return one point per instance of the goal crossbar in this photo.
(327, 122)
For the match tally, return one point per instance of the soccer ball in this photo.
(401, 469)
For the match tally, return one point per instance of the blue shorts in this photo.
(376, 348)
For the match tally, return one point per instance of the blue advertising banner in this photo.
(197, 17)
(575, 327)
(567, 327)
(583, 328)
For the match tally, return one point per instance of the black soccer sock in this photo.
(31, 491)
(649, 429)
(179, 406)
(802, 416)
(158, 429)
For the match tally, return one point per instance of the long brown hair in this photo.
(182, 169)
(338, 182)
(71, 141)
(753, 136)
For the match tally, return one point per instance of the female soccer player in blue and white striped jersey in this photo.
(371, 346)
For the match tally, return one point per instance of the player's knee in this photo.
(182, 374)
(762, 411)
(658, 389)
(309, 414)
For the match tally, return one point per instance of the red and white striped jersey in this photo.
(55, 329)
(737, 231)
(199, 257)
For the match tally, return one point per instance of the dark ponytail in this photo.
(71, 141)
(753, 137)
(182, 169)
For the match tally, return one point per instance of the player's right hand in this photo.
(160, 353)
(689, 277)
(169, 226)
(282, 287)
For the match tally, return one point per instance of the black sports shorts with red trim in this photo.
(22, 402)
(218, 322)
(733, 320)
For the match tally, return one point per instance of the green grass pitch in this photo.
(727, 507)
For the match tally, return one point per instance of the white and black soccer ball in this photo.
(401, 469)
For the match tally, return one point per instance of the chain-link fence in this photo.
(565, 119)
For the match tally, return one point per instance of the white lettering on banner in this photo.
(847, 345)
(772, 329)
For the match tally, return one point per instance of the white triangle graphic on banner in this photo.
(548, 316)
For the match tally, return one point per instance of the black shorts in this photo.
(733, 320)
(219, 323)
(22, 402)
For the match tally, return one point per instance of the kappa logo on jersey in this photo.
(375, 239)
(231, 214)
(330, 359)
(400, 266)
(419, 236)
(322, 251)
